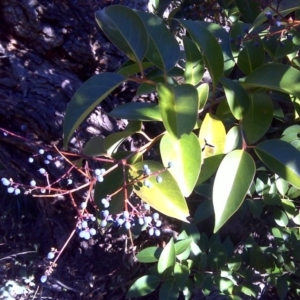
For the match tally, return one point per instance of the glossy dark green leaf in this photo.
(194, 64)
(181, 275)
(95, 146)
(275, 76)
(249, 9)
(178, 107)
(238, 168)
(217, 256)
(149, 255)
(167, 257)
(186, 155)
(211, 50)
(125, 29)
(251, 56)
(163, 49)
(237, 98)
(137, 111)
(282, 158)
(86, 98)
(130, 67)
(259, 117)
(165, 197)
(282, 287)
(203, 211)
(143, 286)
(169, 290)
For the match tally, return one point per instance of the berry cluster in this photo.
(84, 228)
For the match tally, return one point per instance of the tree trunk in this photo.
(47, 49)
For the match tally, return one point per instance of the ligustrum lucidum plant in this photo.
(219, 135)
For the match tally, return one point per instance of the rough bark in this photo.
(47, 49)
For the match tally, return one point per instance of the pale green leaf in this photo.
(167, 257)
(203, 91)
(238, 168)
(186, 153)
(149, 255)
(165, 197)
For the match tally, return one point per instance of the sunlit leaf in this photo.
(238, 168)
(203, 91)
(165, 197)
(186, 155)
(149, 255)
(167, 257)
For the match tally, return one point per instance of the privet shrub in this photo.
(219, 135)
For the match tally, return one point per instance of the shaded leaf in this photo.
(149, 255)
(181, 275)
(94, 147)
(130, 67)
(169, 290)
(282, 158)
(250, 9)
(203, 211)
(86, 98)
(125, 29)
(228, 195)
(143, 286)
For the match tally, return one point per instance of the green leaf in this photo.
(237, 98)
(182, 245)
(194, 65)
(164, 197)
(228, 195)
(167, 258)
(259, 117)
(186, 155)
(212, 138)
(130, 67)
(163, 50)
(281, 185)
(251, 56)
(178, 107)
(282, 158)
(203, 211)
(114, 140)
(86, 98)
(125, 29)
(217, 256)
(95, 147)
(276, 77)
(137, 111)
(282, 287)
(169, 290)
(143, 286)
(149, 255)
(280, 217)
(211, 50)
(203, 91)
(250, 9)
(181, 275)
(234, 139)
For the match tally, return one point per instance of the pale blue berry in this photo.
(158, 223)
(146, 206)
(43, 191)
(50, 255)
(82, 234)
(93, 218)
(69, 181)
(146, 182)
(126, 214)
(41, 151)
(155, 216)
(46, 162)
(127, 225)
(100, 178)
(42, 171)
(170, 164)
(43, 279)
(97, 172)
(147, 171)
(83, 205)
(17, 191)
(32, 183)
(49, 157)
(84, 224)
(103, 223)
(10, 190)
(148, 219)
(151, 231)
(145, 167)
(278, 23)
(30, 160)
(157, 232)
(105, 213)
(87, 235)
(159, 179)
(141, 221)
(5, 181)
(120, 221)
(92, 231)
